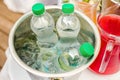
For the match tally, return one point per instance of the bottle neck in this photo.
(68, 14)
(39, 15)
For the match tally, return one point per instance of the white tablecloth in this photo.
(24, 6)
(12, 71)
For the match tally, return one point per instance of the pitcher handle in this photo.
(107, 55)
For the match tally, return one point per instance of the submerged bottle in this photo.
(68, 27)
(49, 61)
(42, 24)
(73, 57)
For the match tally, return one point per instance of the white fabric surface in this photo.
(24, 6)
(12, 71)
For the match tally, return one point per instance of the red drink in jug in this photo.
(108, 60)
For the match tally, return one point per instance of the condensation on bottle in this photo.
(73, 57)
(42, 24)
(71, 53)
(68, 27)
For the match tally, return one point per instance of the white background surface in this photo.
(12, 71)
(24, 6)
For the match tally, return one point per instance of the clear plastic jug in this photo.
(108, 60)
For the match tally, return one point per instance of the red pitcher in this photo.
(108, 60)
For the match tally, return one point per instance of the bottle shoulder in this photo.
(70, 21)
(45, 19)
(46, 15)
(69, 18)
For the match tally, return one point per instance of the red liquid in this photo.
(111, 24)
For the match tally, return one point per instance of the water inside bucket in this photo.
(29, 52)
